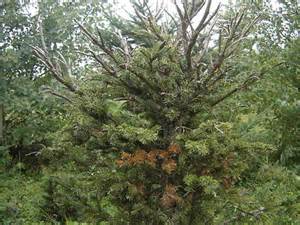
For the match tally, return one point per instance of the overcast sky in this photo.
(123, 7)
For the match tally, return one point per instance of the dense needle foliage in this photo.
(186, 116)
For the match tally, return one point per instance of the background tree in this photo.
(31, 114)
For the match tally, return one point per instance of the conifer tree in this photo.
(144, 146)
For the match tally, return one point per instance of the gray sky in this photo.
(123, 7)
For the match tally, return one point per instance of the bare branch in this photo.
(54, 68)
(230, 46)
(205, 41)
(154, 30)
(196, 7)
(119, 64)
(159, 10)
(42, 35)
(103, 64)
(203, 23)
(184, 26)
(89, 35)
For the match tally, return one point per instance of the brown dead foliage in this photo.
(138, 157)
(170, 197)
(175, 149)
(151, 158)
(169, 166)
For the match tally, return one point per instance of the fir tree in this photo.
(145, 145)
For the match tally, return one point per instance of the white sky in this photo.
(123, 7)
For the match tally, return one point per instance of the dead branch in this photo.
(54, 68)
(110, 54)
(54, 64)
(231, 44)
(202, 24)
